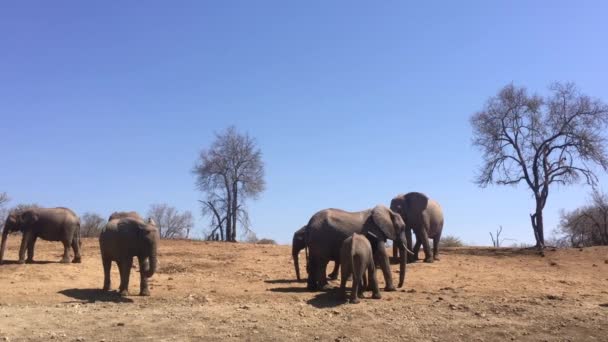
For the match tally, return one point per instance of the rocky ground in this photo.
(233, 292)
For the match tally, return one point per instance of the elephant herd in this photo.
(354, 240)
(126, 235)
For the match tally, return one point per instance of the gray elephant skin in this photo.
(120, 241)
(327, 230)
(297, 245)
(425, 217)
(356, 257)
(125, 214)
(51, 224)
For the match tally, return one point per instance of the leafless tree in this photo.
(3, 211)
(540, 141)
(91, 224)
(170, 222)
(228, 173)
(496, 241)
(587, 226)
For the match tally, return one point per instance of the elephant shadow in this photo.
(327, 299)
(95, 295)
(284, 281)
(35, 262)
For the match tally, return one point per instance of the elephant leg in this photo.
(66, 252)
(30, 249)
(107, 266)
(373, 281)
(344, 278)
(385, 265)
(313, 273)
(436, 247)
(27, 236)
(354, 294)
(125, 271)
(334, 274)
(408, 235)
(416, 250)
(143, 284)
(76, 249)
(428, 254)
(323, 271)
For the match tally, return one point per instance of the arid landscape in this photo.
(234, 292)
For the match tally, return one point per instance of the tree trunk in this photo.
(235, 188)
(538, 224)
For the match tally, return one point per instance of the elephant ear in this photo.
(382, 218)
(29, 217)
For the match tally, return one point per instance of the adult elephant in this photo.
(121, 240)
(425, 217)
(327, 230)
(52, 224)
(297, 245)
(124, 214)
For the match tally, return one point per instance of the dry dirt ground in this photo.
(210, 291)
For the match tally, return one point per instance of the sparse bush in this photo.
(451, 241)
(91, 224)
(266, 242)
(588, 225)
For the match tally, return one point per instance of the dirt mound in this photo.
(214, 291)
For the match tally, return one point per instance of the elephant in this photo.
(298, 244)
(120, 241)
(51, 224)
(123, 214)
(328, 228)
(356, 257)
(425, 217)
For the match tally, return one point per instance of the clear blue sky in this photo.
(105, 105)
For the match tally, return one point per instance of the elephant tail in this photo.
(78, 233)
(306, 237)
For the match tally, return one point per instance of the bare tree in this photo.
(91, 224)
(540, 141)
(496, 241)
(3, 211)
(228, 173)
(170, 222)
(587, 226)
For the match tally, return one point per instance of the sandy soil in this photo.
(234, 292)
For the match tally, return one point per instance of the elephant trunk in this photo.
(296, 263)
(402, 258)
(151, 269)
(3, 246)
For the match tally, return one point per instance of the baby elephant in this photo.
(120, 241)
(356, 256)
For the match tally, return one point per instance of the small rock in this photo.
(317, 338)
(120, 324)
(594, 265)
(245, 307)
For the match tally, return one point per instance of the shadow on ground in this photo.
(327, 299)
(95, 295)
(291, 289)
(284, 281)
(35, 262)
